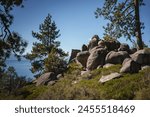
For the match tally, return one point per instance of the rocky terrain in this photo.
(102, 69)
(104, 54)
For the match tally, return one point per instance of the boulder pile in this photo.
(45, 79)
(103, 53)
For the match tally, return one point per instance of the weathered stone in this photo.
(84, 72)
(124, 47)
(96, 58)
(82, 58)
(74, 53)
(51, 83)
(142, 56)
(101, 43)
(130, 66)
(96, 48)
(145, 67)
(133, 50)
(94, 42)
(112, 45)
(100, 66)
(109, 77)
(59, 76)
(45, 78)
(116, 57)
(84, 47)
(108, 65)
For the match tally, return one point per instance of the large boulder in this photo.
(142, 56)
(45, 78)
(74, 53)
(96, 58)
(112, 45)
(84, 47)
(133, 50)
(124, 47)
(82, 57)
(130, 66)
(116, 57)
(102, 44)
(109, 77)
(94, 42)
(97, 48)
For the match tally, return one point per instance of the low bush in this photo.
(74, 86)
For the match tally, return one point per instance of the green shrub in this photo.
(30, 92)
(74, 86)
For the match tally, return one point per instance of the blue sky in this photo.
(74, 18)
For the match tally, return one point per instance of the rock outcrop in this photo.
(82, 57)
(94, 42)
(74, 53)
(112, 45)
(130, 66)
(124, 47)
(109, 77)
(133, 50)
(101, 54)
(106, 53)
(102, 44)
(116, 57)
(44, 79)
(142, 57)
(84, 47)
(96, 58)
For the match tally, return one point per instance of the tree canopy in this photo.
(123, 19)
(10, 41)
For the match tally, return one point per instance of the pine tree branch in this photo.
(129, 13)
(127, 9)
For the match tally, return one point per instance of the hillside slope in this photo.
(74, 86)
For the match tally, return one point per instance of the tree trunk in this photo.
(138, 25)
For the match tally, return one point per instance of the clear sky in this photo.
(74, 18)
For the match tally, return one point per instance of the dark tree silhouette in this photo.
(10, 41)
(124, 19)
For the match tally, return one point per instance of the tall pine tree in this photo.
(124, 19)
(42, 49)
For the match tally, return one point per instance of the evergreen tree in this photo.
(10, 41)
(55, 63)
(46, 37)
(124, 19)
